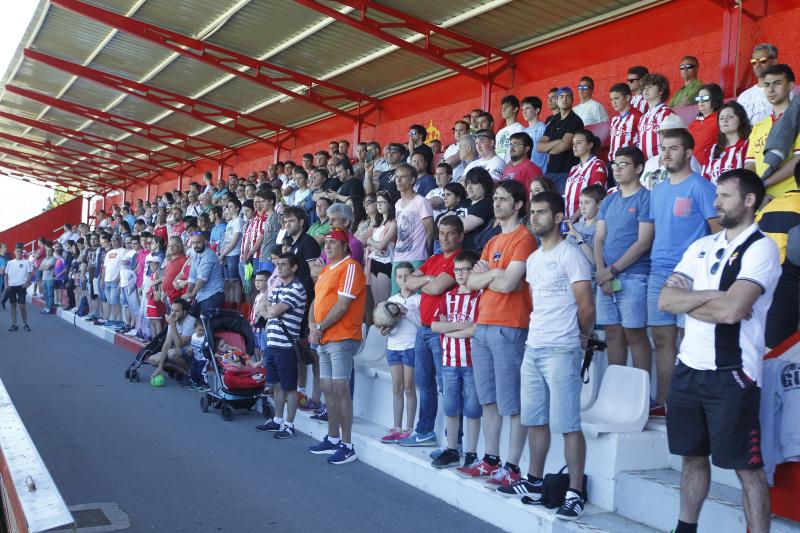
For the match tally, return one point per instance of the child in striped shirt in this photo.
(458, 314)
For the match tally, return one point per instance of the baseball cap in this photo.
(563, 90)
(337, 233)
(672, 122)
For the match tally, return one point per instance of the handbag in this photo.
(554, 490)
(302, 350)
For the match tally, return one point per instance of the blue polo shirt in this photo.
(206, 266)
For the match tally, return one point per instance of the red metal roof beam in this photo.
(152, 160)
(45, 174)
(19, 176)
(428, 49)
(223, 58)
(152, 132)
(198, 110)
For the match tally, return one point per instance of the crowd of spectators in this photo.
(504, 250)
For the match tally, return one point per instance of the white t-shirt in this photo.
(18, 270)
(554, 319)
(496, 165)
(591, 112)
(438, 192)
(113, 264)
(503, 139)
(234, 226)
(126, 275)
(707, 346)
(404, 334)
(755, 102)
(451, 151)
(411, 238)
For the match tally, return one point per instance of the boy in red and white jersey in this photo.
(624, 130)
(635, 76)
(458, 313)
(656, 91)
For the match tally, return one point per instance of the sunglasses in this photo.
(631, 80)
(687, 67)
(704, 98)
(718, 255)
(584, 87)
(761, 60)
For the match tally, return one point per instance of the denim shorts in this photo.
(230, 268)
(281, 366)
(460, 394)
(655, 317)
(628, 306)
(336, 358)
(401, 357)
(496, 357)
(111, 291)
(551, 388)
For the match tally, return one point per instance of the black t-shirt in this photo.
(305, 248)
(555, 130)
(484, 210)
(331, 184)
(386, 183)
(352, 187)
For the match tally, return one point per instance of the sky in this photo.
(19, 201)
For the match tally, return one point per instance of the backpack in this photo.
(554, 490)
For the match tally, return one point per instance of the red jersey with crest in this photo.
(648, 129)
(731, 158)
(624, 131)
(581, 176)
(458, 307)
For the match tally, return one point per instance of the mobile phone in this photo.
(370, 157)
(564, 228)
(616, 285)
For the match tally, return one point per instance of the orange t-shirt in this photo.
(345, 278)
(512, 309)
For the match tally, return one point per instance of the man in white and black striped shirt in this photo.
(284, 313)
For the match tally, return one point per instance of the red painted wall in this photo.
(656, 38)
(47, 224)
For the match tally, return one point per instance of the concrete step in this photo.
(652, 497)
(412, 466)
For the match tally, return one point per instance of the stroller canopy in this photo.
(229, 320)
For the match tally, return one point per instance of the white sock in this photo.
(301, 389)
(334, 440)
(277, 420)
(349, 445)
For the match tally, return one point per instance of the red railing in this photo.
(47, 224)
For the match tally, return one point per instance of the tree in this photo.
(59, 197)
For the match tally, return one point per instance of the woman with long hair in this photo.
(381, 247)
(589, 170)
(731, 147)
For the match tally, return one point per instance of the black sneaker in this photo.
(572, 508)
(14, 328)
(470, 458)
(286, 432)
(321, 417)
(447, 459)
(523, 487)
(270, 425)
(26, 327)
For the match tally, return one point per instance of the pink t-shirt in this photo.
(411, 238)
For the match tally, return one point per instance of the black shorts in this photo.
(17, 295)
(715, 412)
(376, 267)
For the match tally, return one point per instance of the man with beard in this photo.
(520, 166)
(724, 283)
(206, 285)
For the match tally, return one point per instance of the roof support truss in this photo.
(269, 75)
(426, 47)
(49, 175)
(239, 123)
(152, 132)
(16, 176)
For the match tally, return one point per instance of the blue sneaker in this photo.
(419, 439)
(343, 455)
(325, 447)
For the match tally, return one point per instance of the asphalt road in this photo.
(171, 467)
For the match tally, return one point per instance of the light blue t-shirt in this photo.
(539, 158)
(217, 233)
(679, 213)
(206, 266)
(622, 217)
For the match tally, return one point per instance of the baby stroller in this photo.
(231, 387)
(154, 346)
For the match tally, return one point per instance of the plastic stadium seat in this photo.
(373, 348)
(622, 403)
(589, 390)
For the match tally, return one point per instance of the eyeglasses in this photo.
(462, 270)
(703, 98)
(516, 145)
(412, 133)
(631, 80)
(620, 165)
(584, 87)
(761, 60)
(718, 255)
(687, 67)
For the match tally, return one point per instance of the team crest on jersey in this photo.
(733, 257)
(496, 257)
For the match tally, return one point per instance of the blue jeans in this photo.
(551, 388)
(428, 376)
(460, 395)
(49, 296)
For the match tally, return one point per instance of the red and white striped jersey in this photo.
(251, 235)
(731, 158)
(581, 176)
(648, 129)
(639, 103)
(459, 307)
(624, 131)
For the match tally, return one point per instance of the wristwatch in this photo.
(613, 270)
(580, 242)
(317, 327)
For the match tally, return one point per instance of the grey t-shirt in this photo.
(47, 267)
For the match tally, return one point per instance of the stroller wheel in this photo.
(204, 403)
(128, 373)
(134, 375)
(227, 413)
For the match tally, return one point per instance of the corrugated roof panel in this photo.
(244, 32)
(435, 11)
(138, 57)
(118, 6)
(186, 17)
(239, 94)
(21, 105)
(387, 72)
(182, 123)
(11, 126)
(68, 35)
(289, 112)
(40, 77)
(225, 137)
(138, 109)
(62, 118)
(186, 76)
(90, 93)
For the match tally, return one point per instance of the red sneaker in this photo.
(479, 468)
(502, 477)
(658, 411)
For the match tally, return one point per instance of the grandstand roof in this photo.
(104, 93)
